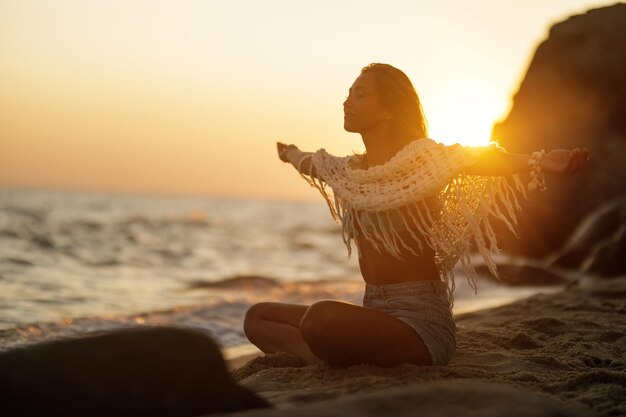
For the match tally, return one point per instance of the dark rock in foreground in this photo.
(132, 372)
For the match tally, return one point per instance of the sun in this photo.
(465, 118)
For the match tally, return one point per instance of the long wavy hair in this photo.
(399, 98)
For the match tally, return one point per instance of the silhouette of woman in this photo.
(413, 207)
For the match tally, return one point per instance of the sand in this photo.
(550, 354)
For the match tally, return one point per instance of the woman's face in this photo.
(362, 109)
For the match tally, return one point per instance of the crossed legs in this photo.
(275, 327)
(339, 333)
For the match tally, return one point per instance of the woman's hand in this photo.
(565, 161)
(300, 160)
(282, 150)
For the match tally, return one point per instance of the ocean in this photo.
(73, 262)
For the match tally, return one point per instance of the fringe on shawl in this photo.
(450, 213)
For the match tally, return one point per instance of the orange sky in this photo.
(189, 97)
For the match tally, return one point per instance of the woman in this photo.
(413, 208)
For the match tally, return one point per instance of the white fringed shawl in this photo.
(425, 186)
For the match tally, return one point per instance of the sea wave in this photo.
(76, 262)
(220, 311)
(78, 254)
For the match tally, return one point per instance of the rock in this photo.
(570, 258)
(573, 95)
(240, 282)
(519, 275)
(600, 228)
(152, 371)
(609, 258)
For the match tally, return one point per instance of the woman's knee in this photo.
(319, 328)
(254, 314)
(316, 322)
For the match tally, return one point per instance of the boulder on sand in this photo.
(598, 244)
(151, 371)
(573, 95)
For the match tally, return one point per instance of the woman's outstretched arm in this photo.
(497, 161)
(300, 160)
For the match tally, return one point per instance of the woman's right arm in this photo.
(300, 160)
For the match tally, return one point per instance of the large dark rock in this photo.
(598, 244)
(609, 258)
(573, 95)
(133, 372)
(520, 275)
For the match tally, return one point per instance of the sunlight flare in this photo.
(465, 118)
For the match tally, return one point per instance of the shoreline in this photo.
(490, 294)
(566, 348)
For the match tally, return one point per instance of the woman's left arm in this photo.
(497, 161)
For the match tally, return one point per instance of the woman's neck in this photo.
(380, 146)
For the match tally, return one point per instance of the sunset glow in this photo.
(190, 97)
(466, 114)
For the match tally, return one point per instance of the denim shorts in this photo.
(424, 306)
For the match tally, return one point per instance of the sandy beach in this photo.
(550, 354)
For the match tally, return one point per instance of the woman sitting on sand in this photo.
(414, 209)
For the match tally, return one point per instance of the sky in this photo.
(190, 97)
